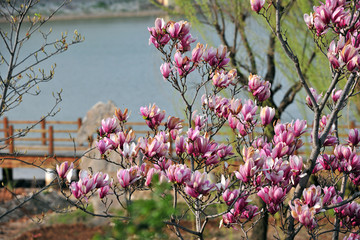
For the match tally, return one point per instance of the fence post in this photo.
(51, 141)
(6, 128)
(8, 132)
(79, 122)
(11, 140)
(43, 134)
(352, 125)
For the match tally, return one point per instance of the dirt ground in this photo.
(33, 221)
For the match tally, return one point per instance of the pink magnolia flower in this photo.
(174, 29)
(150, 175)
(257, 5)
(350, 56)
(329, 195)
(328, 162)
(248, 111)
(180, 146)
(247, 171)
(230, 196)
(210, 54)
(199, 185)
(354, 137)
(125, 137)
(197, 53)
(103, 145)
(86, 182)
(221, 79)
(122, 116)
(309, 20)
(244, 129)
(75, 188)
(228, 219)
(129, 150)
(312, 196)
(127, 177)
(299, 127)
(303, 213)
(165, 70)
(153, 147)
(335, 95)
(235, 106)
(158, 35)
(153, 115)
(296, 163)
(233, 121)
(273, 196)
(64, 169)
(267, 114)
(103, 191)
(352, 236)
(163, 164)
(109, 125)
(178, 173)
(259, 88)
(185, 42)
(316, 96)
(193, 134)
(100, 179)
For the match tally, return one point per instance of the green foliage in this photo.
(147, 216)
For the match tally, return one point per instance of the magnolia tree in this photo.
(201, 169)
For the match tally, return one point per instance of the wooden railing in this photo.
(45, 137)
(49, 138)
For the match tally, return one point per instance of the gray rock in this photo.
(91, 122)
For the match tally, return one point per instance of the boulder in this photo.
(92, 161)
(91, 122)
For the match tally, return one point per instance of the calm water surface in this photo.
(115, 62)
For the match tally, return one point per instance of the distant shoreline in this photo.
(81, 16)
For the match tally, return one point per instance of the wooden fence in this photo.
(51, 139)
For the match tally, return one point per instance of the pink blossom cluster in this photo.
(130, 175)
(333, 14)
(199, 185)
(344, 159)
(87, 183)
(273, 197)
(339, 16)
(200, 147)
(110, 135)
(242, 210)
(348, 213)
(344, 53)
(242, 116)
(219, 105)
(177, 33)
(287, 137)
(155, 147)
(305, 210)
(152, 115)
(259, 87)
(222, 79)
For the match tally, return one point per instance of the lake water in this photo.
(115, 62)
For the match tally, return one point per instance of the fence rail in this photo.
(51, 138)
